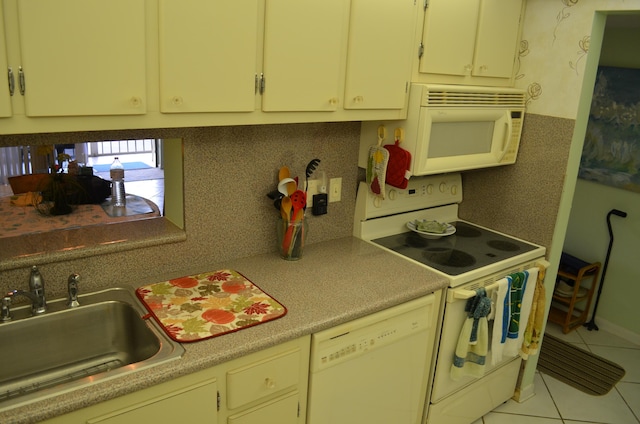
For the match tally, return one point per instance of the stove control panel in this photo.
(421, 193)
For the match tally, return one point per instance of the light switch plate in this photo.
(335, 189)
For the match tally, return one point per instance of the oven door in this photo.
(454, 318)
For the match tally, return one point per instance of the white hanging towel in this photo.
(501, 316)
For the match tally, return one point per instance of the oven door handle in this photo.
(468, 294)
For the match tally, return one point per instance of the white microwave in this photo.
(454, 128)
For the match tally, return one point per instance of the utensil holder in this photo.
(291, 238)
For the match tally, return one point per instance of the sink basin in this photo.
(105, 337)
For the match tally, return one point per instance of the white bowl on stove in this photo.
(447, 232)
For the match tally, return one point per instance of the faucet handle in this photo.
(5, 314)
(72, 285)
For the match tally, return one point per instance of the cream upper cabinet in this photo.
(304, 54)
(497, 39)
(471, 40)
(83, 57)
(208, 55)
(379, 53)
(5, 96)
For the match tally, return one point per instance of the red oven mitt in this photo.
(398, 165)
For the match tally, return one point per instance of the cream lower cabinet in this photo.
(269, 386)
(195, 403)
(472, 42)
(79, 57)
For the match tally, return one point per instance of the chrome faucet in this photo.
(5, 315)
(72, 287)
(35, 294)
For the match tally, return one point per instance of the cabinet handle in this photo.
(468, 68)
(21, 80)
(333, 101)
(12, 82)
(176, 100)
(269, 383)
(135, 101)
(358, 99)
(483, 68)
(263, 82)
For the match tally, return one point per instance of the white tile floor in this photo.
(558, 403)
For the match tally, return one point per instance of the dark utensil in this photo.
(310, 168)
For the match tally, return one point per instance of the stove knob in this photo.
(443, 187)
(393, 194)
(430, 189)
(454, 189)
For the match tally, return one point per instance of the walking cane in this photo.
(591, 325)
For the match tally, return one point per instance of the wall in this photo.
(587, 233)
(559, 51)
(227, 173)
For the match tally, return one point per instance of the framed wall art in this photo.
(611, 153)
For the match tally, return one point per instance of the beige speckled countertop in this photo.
(335, 282)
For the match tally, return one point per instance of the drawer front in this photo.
(262, 379)
(283, 410)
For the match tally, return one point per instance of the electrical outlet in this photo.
(335, 189)
(320, 204)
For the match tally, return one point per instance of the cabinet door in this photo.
(83, 57)
(379, 53)
(282, 410)
(197, 404)
(208, 52)
(5, 97)
(498, 33)
(449, 36)
(304, 54)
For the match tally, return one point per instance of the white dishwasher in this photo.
(374, 369)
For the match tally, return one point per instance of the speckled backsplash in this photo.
(523, 199)
(229, 170)
(227, 174)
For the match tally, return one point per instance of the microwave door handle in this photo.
(505, 139)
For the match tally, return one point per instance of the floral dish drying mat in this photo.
(202, 306)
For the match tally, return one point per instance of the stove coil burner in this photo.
(467, 231)
(504, 245)
(449, 257)
(414, 240)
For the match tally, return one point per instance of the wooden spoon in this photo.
(285, 208)
(283, 173)
(298, 202)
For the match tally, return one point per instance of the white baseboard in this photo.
(609, 327)
(524, 393)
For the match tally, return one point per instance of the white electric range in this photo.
(472, 257)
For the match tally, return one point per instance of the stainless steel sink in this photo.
(106, 336)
